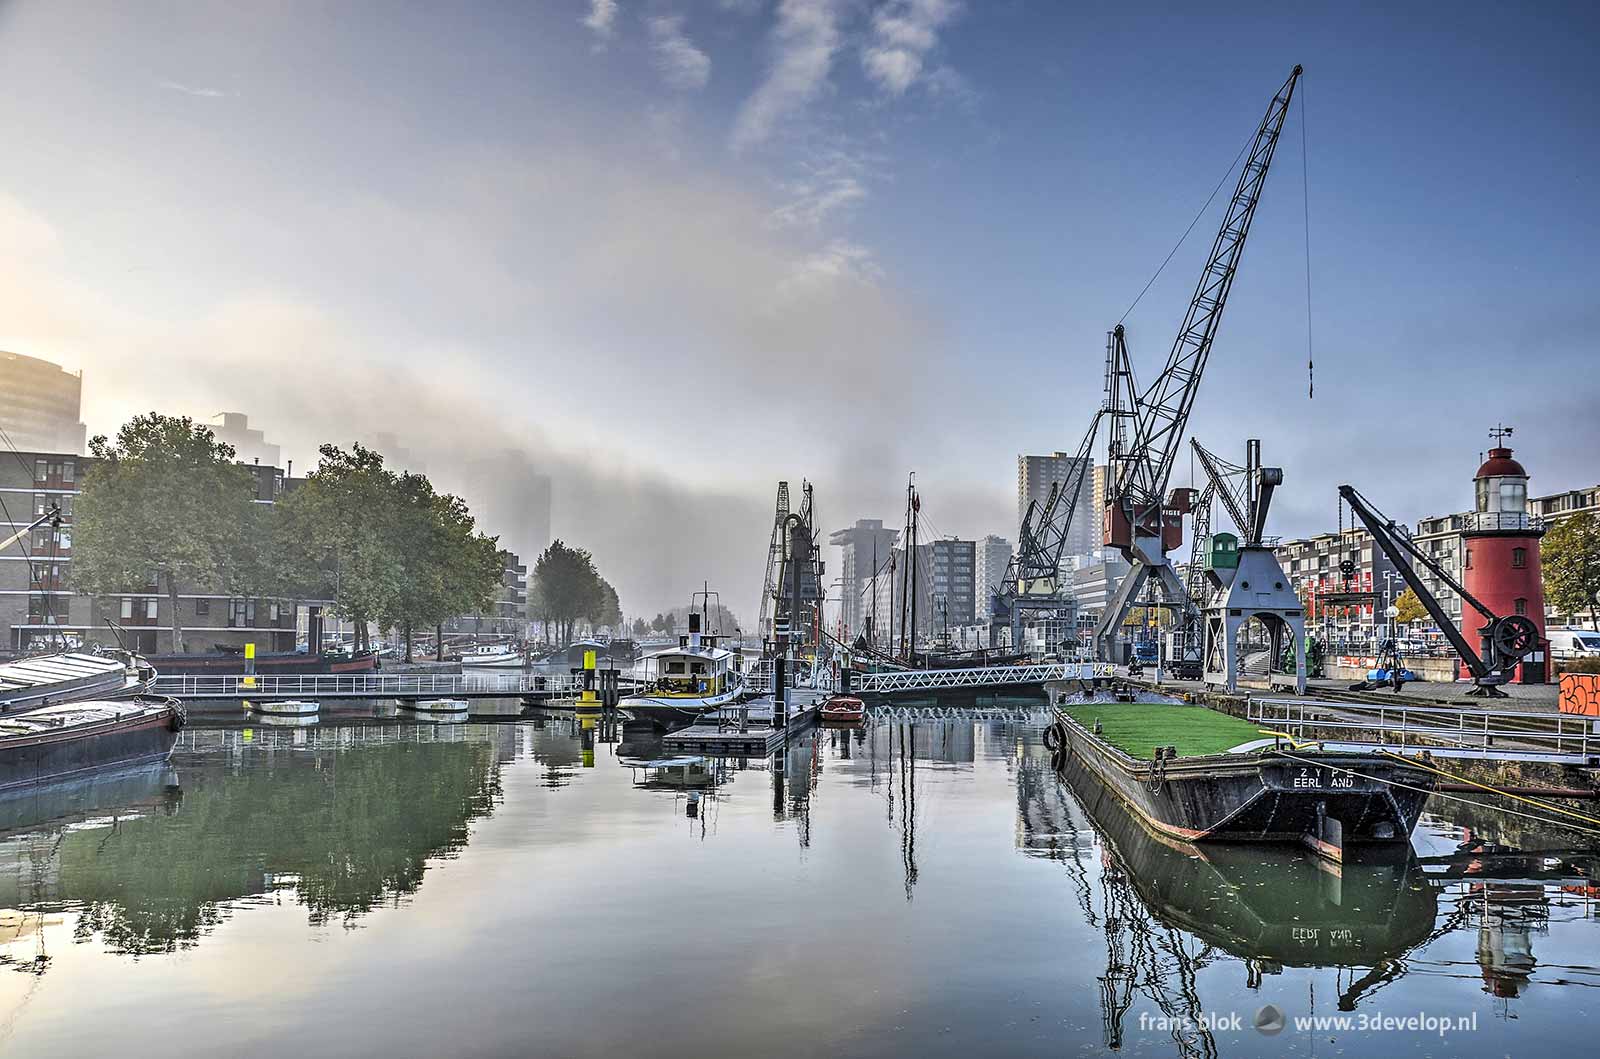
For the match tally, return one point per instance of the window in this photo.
(1522, 605)
(1468, 563)
(202, 607)
(127, 608)
(40, 470)
(150, 609)
(1519, 557)
(242, 613)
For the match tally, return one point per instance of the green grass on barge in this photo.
(1137, 728)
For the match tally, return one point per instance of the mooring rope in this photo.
(1437, 794)
(1495, 790)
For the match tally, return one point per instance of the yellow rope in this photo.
(1494, 790)
(1438, 794)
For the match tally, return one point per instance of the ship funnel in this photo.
(694, 631)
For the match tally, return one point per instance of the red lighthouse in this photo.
(1500, 561)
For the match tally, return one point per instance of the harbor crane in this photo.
(1503, 640)
(1142, 522)
(1033, 581)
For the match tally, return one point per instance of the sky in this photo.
(669, 252)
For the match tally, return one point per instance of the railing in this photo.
(1441, 730)
(312, 685)
(1498, 521)
(988, 676)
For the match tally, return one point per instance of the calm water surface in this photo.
(922, 886)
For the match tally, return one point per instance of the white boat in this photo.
(683, 682)
(491, 655)
(435, 707)
(285, 707)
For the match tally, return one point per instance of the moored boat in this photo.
(69, 739)
(683, 682)
(1263, 790)
(284, 707)
(426, 708)
(224, 661)
(843, 709)
(43, 680)
(492, 656)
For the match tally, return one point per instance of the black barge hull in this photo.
(95, 735)
(1319, 799)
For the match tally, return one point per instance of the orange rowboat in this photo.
(843, 708)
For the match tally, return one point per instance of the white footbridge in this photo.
(982, 678)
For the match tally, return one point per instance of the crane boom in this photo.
(1165, 405)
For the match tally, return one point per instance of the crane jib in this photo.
(1164, 407)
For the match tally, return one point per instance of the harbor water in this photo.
(922, 885)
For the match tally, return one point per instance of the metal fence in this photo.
(986, 676)
(1444, 731)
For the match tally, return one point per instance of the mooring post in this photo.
(780, 710)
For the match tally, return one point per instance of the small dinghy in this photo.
(844, 708)
(285, 707)
(437, 709)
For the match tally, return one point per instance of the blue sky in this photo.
(672, 251)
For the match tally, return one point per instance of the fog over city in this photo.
(667, 253)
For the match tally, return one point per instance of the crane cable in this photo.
(1305, 204)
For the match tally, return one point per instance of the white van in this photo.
(1574, 643)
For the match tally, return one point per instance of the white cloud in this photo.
(680, 63)
(804, 42)
(191, 90)
(903, 33)
(602, 18)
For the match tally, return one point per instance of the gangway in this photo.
(367, 686)
(992, 677)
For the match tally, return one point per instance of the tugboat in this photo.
(683, 682)
(1259, 790)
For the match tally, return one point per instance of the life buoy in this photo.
(1052, 739)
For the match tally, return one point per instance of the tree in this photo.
(1570, 558)
(341, 522)
(566, 586)
(641, 628)
(605, 608)
(660, 623)
(1410, 607)
(164, 504)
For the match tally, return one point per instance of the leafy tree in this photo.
(1410, 607)
(605, 609)
(342, 524)
(1570, 559)
(660, 624)
(641, 628)
(567, 587)
(165, 503)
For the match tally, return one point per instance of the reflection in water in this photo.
(343, 825)
(920, 885)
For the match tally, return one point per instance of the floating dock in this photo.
(760, 739)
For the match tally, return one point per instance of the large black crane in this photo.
(1503, 640)
(1141, 521)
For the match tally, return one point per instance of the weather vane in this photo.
(1499, 434)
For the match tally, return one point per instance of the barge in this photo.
(70, 739)
(1262, 790)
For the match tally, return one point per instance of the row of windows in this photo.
(1519, 558)
(58, 470)
(241, 612)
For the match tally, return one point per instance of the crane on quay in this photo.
(1142, 521)
(1146, 430)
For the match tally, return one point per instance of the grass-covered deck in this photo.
(1138, 728)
